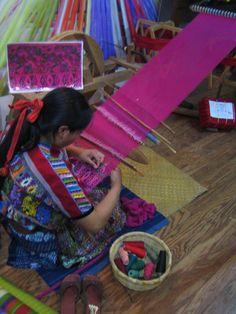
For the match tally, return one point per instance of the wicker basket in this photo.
(138, 284)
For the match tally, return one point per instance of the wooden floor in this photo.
(201, 236)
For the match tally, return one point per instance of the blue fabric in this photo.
(101, 27)
(51, 277)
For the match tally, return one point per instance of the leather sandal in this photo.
(93, 291)
(70, 292)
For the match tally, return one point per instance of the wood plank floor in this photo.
(201, 236)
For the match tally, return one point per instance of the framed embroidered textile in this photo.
(43, 66)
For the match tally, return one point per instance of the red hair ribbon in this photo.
(22, 106)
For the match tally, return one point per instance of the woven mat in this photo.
(168, 187)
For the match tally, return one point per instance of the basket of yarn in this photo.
(140, 261)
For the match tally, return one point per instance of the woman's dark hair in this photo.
(62, 106)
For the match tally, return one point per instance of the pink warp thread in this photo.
(137, 211)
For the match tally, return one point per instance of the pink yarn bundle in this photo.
(137, 211)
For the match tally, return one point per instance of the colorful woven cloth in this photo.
(14, 300)
(9, 304)
(41, 195)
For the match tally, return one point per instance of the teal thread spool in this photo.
(132, 259)
(138, 264)
(136, 274)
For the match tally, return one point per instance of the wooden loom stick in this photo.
(165, 141)
(167, 127)
(161, 122)
(125, 162)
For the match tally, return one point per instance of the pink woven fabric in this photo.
(43, 66)
(161, 85)
(137, 211)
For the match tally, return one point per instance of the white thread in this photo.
(120, 124)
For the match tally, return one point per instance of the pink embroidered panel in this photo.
(43, 66)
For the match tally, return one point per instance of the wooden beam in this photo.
(113, 78)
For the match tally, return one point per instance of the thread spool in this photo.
(135, 243)
(161, 264)
(132, 259)
(138, 264)
(120, 265)
(149, 270)
(140, 252)
(136, 274)
(124, 256)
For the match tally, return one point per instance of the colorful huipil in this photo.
(42, 202)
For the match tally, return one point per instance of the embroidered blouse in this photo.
(42, 187)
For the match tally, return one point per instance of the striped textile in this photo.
(11, 305)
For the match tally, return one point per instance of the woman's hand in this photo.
(116, 178)
(92, 156)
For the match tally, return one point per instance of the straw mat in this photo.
(163, 184)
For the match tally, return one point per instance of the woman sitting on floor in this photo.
(49, 218)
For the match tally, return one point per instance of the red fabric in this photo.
(206, 121)
(150, 43)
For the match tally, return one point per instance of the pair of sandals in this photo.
(72, 288)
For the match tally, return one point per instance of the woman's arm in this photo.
(91, 156)
(103, 210)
